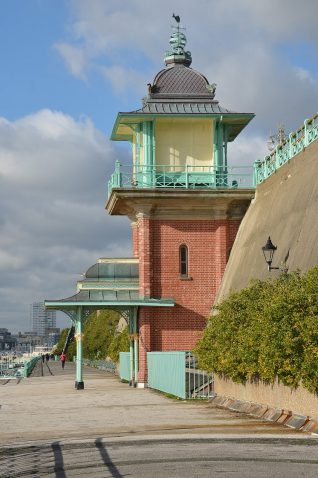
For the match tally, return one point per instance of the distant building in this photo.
(27, 341)
(52, 335)
(7, 341)
(42, 319)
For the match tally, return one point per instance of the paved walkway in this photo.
(47, 408)
(47, 428)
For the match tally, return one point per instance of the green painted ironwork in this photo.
(296, 143)
(181, 177)
(15, 368)
(124, 366)
(107, 365)
(177, 373)
(30, 364)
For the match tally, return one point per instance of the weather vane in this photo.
(177, 19)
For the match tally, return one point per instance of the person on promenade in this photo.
(43, 357)
(47, 357)
(63, 358)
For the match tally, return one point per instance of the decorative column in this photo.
(135, 241)
(145, 251)
(148, 152)
(79, 384)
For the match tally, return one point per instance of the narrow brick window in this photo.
(183, 253)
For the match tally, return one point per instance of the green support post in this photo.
(79, 384)
(136, 339)
(148, 151)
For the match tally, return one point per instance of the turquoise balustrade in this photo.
(16, 368)
(296, 143)
(184, 177)
(124, 366)
(177, 373)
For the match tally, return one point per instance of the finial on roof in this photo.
(178, 40)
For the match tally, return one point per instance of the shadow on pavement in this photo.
(113, 470)
(58, 459)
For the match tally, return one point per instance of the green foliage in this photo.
(268, 330)
(119, 343)
(71, 351)
(100, 337)
(99, 331)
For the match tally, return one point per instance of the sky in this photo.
(67, 67)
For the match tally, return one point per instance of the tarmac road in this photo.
(49, 429)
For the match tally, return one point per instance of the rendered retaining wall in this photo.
(285, 208)
(299, 401)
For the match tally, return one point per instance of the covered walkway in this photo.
(108, 284)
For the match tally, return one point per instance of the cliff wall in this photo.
(285, 208)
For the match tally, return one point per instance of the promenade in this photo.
(48, 426)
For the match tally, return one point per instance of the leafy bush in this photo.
(267, 330)
(119, 343)
(99, 331)
(100, 337)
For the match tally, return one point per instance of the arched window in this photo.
(183, 260)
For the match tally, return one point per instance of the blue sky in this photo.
(68, 66)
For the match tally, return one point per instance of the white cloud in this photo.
(239, 44)
(74, 58)
(53, 226)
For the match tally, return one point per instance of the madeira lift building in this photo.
(185, 203)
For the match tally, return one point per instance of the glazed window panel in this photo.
(183, 257)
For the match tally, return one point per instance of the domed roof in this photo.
(182, 81)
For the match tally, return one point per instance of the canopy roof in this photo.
(109, 283)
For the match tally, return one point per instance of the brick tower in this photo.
(184, 200)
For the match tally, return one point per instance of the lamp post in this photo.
(268, 251)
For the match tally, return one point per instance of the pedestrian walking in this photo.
(63, 358)
(47, 356)
(43, 357)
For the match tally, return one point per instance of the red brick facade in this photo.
(158, 241)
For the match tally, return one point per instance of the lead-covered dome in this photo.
(181, 80)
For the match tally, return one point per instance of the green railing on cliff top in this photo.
(296, 142)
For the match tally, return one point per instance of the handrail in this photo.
(297, 142)
(181, 176)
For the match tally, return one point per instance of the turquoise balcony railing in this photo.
(184, 177)
(296, 142)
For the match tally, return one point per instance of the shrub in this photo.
(267, 330)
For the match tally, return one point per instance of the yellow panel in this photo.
(181, 142)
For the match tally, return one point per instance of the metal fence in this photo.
(177, 373)
(16, 367)
(124, 366)
(107, 365)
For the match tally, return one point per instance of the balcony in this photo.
(181, 177)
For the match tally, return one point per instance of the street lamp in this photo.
(268, 251)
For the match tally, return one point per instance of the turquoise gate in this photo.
(177, 373)
(125, 371)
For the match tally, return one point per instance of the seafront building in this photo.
(41, 318)
(7, 340)
(185, 201)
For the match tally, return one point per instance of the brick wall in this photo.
(208, 242)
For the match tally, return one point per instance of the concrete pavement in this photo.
(47, 428)
(45, 408)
